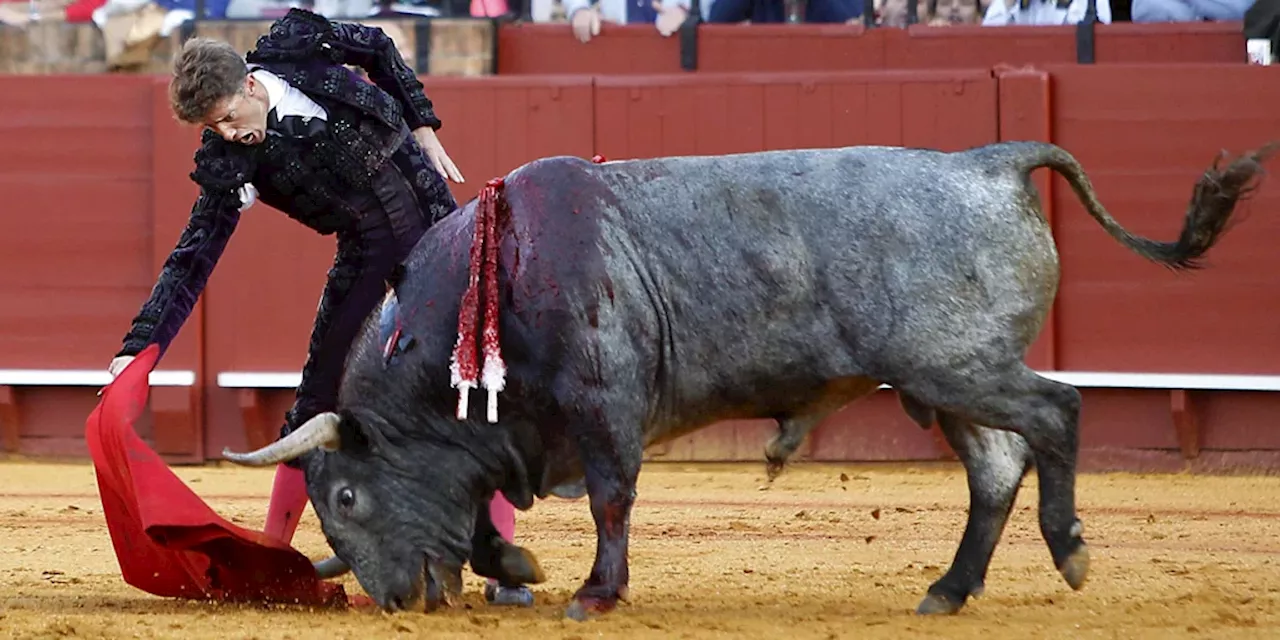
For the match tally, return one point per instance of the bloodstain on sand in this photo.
(829, 551)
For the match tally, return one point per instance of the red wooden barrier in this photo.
(550, 48)
(1144, 134)
(79, 237)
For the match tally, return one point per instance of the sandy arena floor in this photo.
(827, 552)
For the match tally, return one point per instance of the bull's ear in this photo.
(353, 434)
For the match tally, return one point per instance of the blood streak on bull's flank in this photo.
(484, 257)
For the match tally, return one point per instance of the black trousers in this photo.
(393, 219)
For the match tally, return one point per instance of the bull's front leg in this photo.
(611, 455)
(493, 557)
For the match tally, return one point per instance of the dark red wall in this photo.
(88, 249)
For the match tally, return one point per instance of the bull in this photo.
(639, 301)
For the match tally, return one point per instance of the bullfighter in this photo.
(289, 124)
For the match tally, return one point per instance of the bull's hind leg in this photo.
(994, 462)
(1046, 414)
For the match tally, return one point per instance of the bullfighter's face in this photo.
(242, 116)
(402, 526)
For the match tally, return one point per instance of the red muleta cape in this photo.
(167, 540)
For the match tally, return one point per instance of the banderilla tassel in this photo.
(495, 370)
(597, 158)
(463, 368)
(484, 253)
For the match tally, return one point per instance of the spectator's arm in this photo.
(998, 14)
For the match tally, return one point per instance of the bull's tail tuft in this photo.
(1209, 214)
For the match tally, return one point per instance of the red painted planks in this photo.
(647, 116)
(639, 49)
(74, 183)
(1144, 135)
(537, 49)
(493, 125)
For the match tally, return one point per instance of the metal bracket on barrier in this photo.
(689, 37)
(422, 46)
(1085, 34)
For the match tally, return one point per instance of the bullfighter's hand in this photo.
(426, 137)
(669, 18)
(117, 365)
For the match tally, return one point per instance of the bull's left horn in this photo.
(318, 432)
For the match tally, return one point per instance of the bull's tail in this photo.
(1213, 201)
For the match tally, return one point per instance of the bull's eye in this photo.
(346, 498)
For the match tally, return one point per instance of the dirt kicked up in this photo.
(826, 552)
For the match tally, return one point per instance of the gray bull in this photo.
(643, 300)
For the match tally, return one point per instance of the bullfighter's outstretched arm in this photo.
(220, 172)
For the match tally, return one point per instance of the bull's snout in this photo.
(392, 593)
(404, 597)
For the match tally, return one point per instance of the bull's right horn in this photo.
(331, 568)
(318, 432)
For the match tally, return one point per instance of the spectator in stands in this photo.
(19, 12)
(1042, 12)
(766, 11)
(585, 17)
(1262, 22)
(935, 13)
(1188, 10)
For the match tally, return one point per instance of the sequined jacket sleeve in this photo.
(302, 35)
(371, 49)
(220, 172)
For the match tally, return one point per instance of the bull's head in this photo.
(393, 509)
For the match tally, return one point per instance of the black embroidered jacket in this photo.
(307, 179)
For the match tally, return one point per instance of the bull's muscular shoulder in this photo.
(547, 185)
(560, 207)
(555, 171)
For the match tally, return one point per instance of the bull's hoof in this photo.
(591, 601)
(519, 565)
(773, 469)
(500, 596)
(582, 610)
(938, 604)
(1076, 568)
(570, 490)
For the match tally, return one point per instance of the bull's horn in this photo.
(331, 568)
(320, 431)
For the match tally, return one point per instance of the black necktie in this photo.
(295, 126)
